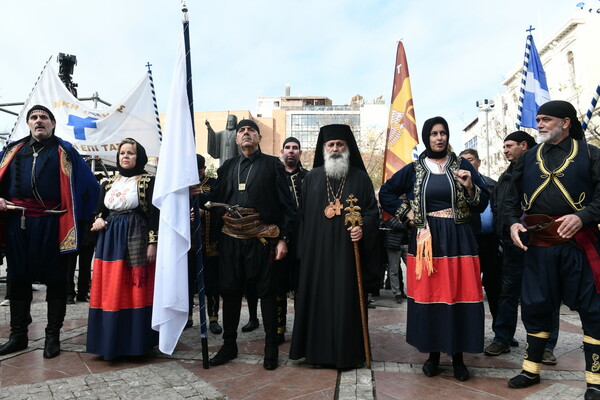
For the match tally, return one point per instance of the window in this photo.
(571, 62)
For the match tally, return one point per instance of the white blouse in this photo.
(434, 167)
(123, 194)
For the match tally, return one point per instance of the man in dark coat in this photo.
(505, 323)
(327, 325)
(210, 230)
(557, 185)
(49, 179)
(487, 240)
(287, 269)
(256, 183)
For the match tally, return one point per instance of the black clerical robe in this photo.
(327, 325)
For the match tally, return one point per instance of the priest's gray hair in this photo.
(336, 164)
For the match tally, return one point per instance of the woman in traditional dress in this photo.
(120, 313)
(445, 300)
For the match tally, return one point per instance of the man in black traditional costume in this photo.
(557, 185)
(287, 269)
(210, 230)
(46, 190)
(256, 183)
(327, 325)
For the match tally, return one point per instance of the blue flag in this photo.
(536, 88)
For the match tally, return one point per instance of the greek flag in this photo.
(536, 89)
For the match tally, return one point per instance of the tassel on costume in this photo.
(424, 252)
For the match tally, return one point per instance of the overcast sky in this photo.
(457, 51)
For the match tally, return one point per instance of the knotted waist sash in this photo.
(35, 209)
(543, 232)
(250, 226)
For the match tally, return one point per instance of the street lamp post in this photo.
(486, 106)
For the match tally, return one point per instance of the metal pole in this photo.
(487, 139)
(196, 208)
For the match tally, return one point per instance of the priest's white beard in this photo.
(336, 163)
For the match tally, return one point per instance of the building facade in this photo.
(572, 71)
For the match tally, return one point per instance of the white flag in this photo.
(177, 171)
(91, 131)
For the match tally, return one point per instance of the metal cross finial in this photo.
(148, 65)
(531, 28)
(353, 216)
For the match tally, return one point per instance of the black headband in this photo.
(39, 107)
(563, 109)
(291, 139)
(520, 136)
(247, 122)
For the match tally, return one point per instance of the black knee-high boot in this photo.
(213, 314)
(269, 316)
(430, 368)
(532, 362)
(212, 305)
(20, 319)
(460, 369)
(232, 306)
(56, 315)
(281, 318)
(591, 348)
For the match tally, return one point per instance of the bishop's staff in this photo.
(353, 218)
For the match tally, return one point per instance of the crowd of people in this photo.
(531, 238)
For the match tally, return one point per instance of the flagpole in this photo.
(196, 209)
(188, 64)
(401, 136)
(590, 111)
(524, 76)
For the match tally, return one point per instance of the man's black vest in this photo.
(572, 178)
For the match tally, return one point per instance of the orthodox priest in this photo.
(327, 326)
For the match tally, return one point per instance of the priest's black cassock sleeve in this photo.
(327, 325)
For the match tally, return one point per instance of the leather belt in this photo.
(250, 226)
(543, 230)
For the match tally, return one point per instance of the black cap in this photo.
(247, 122)
(563, 109)
(291, 139)
(520, 136)
(41, 108)
(338, 132)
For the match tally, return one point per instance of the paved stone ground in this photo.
(395, 374)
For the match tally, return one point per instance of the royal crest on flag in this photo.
(402, 129)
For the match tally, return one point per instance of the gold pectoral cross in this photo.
(333, 209)
(337, 206)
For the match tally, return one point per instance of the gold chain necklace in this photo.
(335, 206)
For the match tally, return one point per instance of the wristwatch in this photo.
(285, 239)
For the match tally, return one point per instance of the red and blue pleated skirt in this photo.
(445, 309)
(120, 315)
